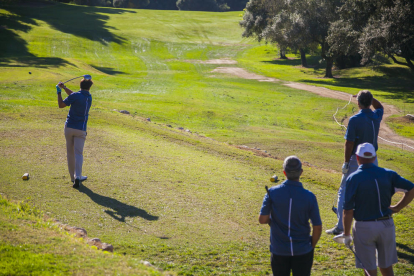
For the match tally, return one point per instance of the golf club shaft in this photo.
(73, 79)
(268, 194)
(359, 260)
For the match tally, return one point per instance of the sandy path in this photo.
(387, 135)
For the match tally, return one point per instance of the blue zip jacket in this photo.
(369, 191)
(292, 207)
(80, 103)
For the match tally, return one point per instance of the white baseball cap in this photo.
(366, 150)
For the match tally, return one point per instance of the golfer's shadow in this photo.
(403, 255)
(119, 210)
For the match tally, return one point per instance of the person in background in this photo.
(287, 208)
(75, 126)
(368, 200)
(362, 128)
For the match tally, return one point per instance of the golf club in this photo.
(341, 239)
(271, 210)
(86, 77)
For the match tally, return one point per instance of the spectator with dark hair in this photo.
(362, 128)
(75, 126)
(287, 208)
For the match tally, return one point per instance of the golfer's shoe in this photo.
(76, 183)
(334, 231)
(83, 178)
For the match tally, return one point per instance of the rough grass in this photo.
(30, 245)
(182, 200)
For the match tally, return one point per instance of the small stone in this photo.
(187, 130)
(107, 247)
(124, 112)
(95, 240)
(30, 72)
(181, 128)
(169, 125)
(146, 263)
(148, 119)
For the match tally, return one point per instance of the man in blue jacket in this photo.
(75, 126)
(288, 208)
(368, 199)
(363, 127)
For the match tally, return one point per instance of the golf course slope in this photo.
(177, 178)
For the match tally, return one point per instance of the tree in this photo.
(202, 5)
(376, 26)
(297, 24)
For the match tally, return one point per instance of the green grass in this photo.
(389, 82)
(30, 245)
(180, 200)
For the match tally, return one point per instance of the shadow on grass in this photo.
(119, 210)
(313, 62)
(108, 70)
(398, 88)
(403, 255)
(80, 21)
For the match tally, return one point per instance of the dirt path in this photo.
(387, 135)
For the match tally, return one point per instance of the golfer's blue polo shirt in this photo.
(363, 127)
(292, 207)
(80, 103)
(369, 190)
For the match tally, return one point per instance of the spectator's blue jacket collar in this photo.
(293, 183)
(366, 166)
(365, 110)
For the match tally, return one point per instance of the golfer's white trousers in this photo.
(75, 141)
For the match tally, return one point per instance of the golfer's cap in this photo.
(292, 164)
(366, 150)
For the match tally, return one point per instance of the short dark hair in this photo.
(292, 167)
(86, 84)
(365, 98)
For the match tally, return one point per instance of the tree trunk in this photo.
(329, 64)
(283, 54)
(303, 58)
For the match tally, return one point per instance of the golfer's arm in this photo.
(349, 146)
(67, 90)
(60, 101)
(407, 198)
(376, 104)
(264, 219)
(347, 221)
(316, 234)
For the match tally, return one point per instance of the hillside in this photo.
(187, 201)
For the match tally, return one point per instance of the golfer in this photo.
(287, 208)
(75, 126)
(368, 199)
(362, 128)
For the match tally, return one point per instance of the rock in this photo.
(148, 119)
(181, 128)
(124, 112)
(169, 125)
(107, 247)
(146, 263)
(30, 72)
(187, 130)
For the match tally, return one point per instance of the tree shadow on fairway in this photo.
(13, 49)
(119, 210)
(398, 87)
(108, 70)
(80, 21)
(403, 255)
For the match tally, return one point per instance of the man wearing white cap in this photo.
(368, 199)
(363, 127)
